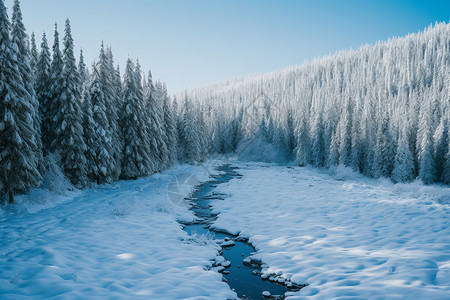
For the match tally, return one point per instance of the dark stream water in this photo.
(243, 277)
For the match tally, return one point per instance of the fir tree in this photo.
(317, 151)
(43, 92)
(18, 137)
(102, 142)
(112, 86)
(157, 133)
(427, 169)
(19, 38)
(189, 136)
(90, 138)
(68, 118)
(132, 123)
(171, 131)
(34, 55)
(55, 88)
(303, 150)
(404, 161)
(441, 146)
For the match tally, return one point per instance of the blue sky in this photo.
(196, 42)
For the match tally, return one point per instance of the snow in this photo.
(118, 241)
(341, 233)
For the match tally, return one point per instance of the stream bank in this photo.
(241, 272)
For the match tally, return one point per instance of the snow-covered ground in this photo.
(118, 241)
(345, 235)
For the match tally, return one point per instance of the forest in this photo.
(382, 110)
(94, 125)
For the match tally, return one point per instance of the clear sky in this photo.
(190, 43)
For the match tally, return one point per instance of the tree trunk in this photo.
(11, 197)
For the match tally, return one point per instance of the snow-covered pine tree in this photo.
(83, 72)
(43, 92)
(102, 141)
(425, 148)
(55, 90)
(445, 177)
(90, 138)
(68, 118)
(441, 146)
(155, 127)
(189, 136)
(18, 169)
(303, 150)
(19, 39)
(171, 131)
(404, 161)
(34, 55)
(345, 130)
(132, 122)
(318, 149)
(112, 86)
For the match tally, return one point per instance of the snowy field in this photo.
(347, 236)
(119, 241)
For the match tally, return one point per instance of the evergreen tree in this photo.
(189, 136)
(132, 123)
(171, 131)
(19, 39)
(34, 55)
(445, 177)
(303, 151)
(68, 118)
(345, 130)
(318, 149)
(155, 129)
(55, 91)
(83, 73)
(18, 137)
(441, 146)
(111, 85)
(427, 169)
(102, 142)
(404, 161)
(43, 92)
(90, 138)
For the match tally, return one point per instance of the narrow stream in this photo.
(240, 271)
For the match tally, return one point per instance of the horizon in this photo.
(263, 37)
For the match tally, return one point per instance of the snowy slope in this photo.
(119, 241)
(344, 235)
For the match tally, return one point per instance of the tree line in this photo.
(98, 126)
(383, 110)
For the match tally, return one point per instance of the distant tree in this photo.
(427, 168)
(441, 146)
(303, 151)
(189, 135)
(318, 149)
(404, 161)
